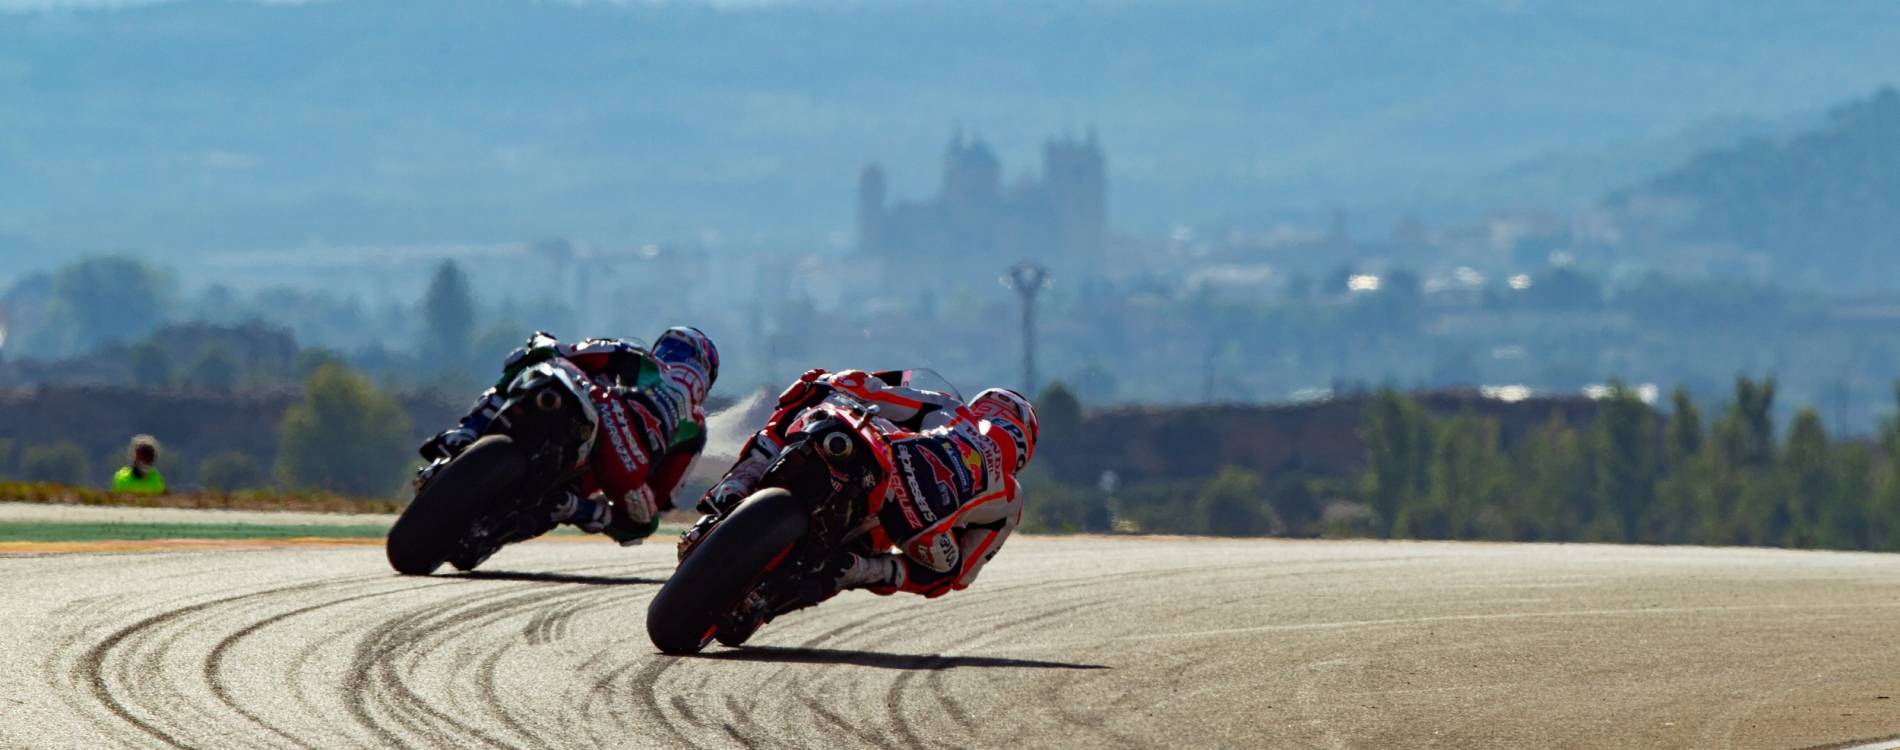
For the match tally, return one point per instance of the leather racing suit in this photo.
(652, 427)
(954, 500)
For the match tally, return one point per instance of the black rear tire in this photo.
(683, 617)
(433, 526)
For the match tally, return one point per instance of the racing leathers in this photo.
(951, 506)
(652, 427)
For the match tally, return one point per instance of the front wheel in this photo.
(685, 614)
(432, 528)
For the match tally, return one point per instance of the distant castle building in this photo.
(1059, 218)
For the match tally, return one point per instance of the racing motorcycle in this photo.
(498, 490)
(765, 557)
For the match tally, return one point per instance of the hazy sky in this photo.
(195, 125)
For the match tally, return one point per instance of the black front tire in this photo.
(432, 528)
(684, 616)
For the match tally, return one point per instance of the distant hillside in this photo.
(178, 127)
(1578, 176)
(1823, 207)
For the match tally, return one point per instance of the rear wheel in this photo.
(433, 526)
(683, 617)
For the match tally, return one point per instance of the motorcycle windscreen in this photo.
(920, 378)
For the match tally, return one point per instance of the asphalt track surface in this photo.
(1064, 643)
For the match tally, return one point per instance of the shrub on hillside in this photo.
(217, 369)
(1055, 507)
(345, 436)
(60, 463)
(1234, 503)
(231, 470)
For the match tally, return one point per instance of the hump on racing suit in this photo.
(955, 501)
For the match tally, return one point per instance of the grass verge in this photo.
(303, 501)
(90, 532)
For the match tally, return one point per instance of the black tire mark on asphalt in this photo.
(92, 669)
(1036, 598)
(646, 682)
(214, 665)
(901, 687)
(880, 620)
(376, 671)
(588, 598)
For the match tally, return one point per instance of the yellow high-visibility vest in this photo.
(153, 483)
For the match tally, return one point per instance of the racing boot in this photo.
(449, 443)
(696, 534)
(595, 515)
(718, 502)
(882, 573)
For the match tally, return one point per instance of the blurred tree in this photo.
(1060, 417)
(97, 300)
(1554, 479)
(1467, 479)
(231, 470)
(1234, 503)
(1809, 469)
(1670, 517)
(1624, 463)
(495, 342)
(345, 436)
(1061, 507)
(151, 365)
(217, 369)
(1294, 498)
(1683, 435)
(1849, 519)
(448, 313)
(1397, 436)
(1753, 410)
(308, 361)
(1739, 485)
(219, 304)
(63, 462)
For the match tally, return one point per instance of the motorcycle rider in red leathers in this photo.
(955, 499)
(652, 425)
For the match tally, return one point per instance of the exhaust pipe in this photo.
(837, 445)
